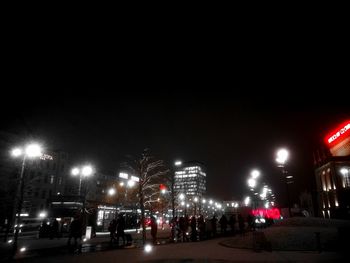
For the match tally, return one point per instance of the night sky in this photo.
(230, 130)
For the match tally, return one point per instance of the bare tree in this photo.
(151, 173)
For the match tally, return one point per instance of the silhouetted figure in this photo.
(44, 229)
(201, 227)
(75, 232)
(120, 229)
(112, 228)
(213, 225)
(232, 223)
(193, 228)
(173, 226)
(209, 228)
(241, 224)
(223, 224)
(250, 221)
(154, 228)
(54, 229)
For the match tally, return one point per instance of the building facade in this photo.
(190, 179)
(332, 171)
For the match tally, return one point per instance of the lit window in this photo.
(345, 172)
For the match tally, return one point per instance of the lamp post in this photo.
(83, 172)
(281, 159)
(30, 151)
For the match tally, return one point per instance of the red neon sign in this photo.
(273, 213)
(337, 134)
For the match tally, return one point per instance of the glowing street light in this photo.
(255, 174)
(182, 196)
(30, 151)
(251, 182)
(43, 214)
(111, 191)
(83, 172)
(282, 156)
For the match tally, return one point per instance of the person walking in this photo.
(112, 228)
(75, 232)
(213, 225)
(232, 223)
(120, 229)
(154, 229)
(54, 229)
(241, 224)
(223, 224)
(201, 227)
(193, 229)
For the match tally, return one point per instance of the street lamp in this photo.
(281, 159)
(83, 172)
(30, 151)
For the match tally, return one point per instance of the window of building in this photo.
(52, 177)
(345, 173)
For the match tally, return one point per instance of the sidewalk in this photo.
(203, 251)
(35, 247)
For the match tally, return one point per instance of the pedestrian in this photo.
(193, 228)
(154, 228)
(173, 224)
(213, 225)
(250, 221)
(201, 227)
(232, 223)
(112, 228)
(75, 232)
(223, 224)
(54, 229)
(120, 229)
(241, 224)
(209, 228)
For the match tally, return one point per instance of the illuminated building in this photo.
(190, 179)
(332, 171)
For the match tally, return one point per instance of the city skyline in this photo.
(230, 134)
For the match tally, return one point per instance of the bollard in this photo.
(318, 241)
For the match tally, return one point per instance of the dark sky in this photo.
(230, 130)
(227, 100)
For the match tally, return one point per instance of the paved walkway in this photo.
(205, 251)
(215, 250)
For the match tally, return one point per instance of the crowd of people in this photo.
(185, 228)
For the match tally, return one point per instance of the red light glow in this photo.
(162, 187)
(338, 134)
(272, 213)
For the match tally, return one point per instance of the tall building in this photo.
(190, 179)
(332, 171)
